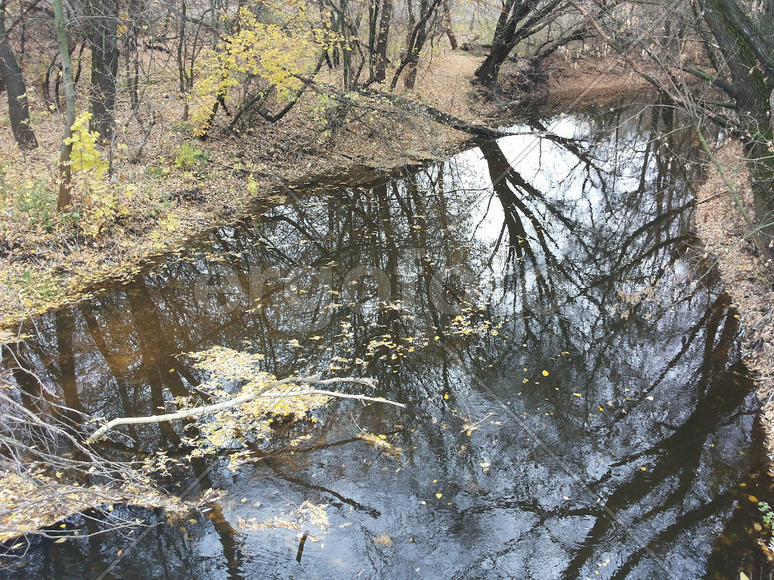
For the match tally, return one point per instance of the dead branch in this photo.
(421, 109)
(236, 401)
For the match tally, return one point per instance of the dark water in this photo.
(633, 458)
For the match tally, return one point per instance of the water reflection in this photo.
(576, 404)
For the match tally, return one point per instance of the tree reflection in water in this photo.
(581, 255)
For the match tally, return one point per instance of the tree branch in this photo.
(236, 401)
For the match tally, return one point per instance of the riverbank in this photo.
(181, 186)
(721, 227)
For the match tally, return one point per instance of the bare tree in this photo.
(447, 25)
(739, 61)
(415, 41)
(379, 20)
(18, 108)
(518, 20)
(744, 32)
(64, 199)
(101, 28)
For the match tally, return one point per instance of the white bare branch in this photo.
(244, 398)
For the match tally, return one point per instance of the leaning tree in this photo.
(15, 87)
(735, 60)
(523, 19)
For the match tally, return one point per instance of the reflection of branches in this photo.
(373, 512)
(32, 450)
(684, 523)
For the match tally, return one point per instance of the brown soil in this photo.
(580, 83)
(748, 279)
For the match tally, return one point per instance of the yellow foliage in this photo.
(380, 442)
(30, 501)
(100, 204)
(305, 516)
(99, 201)
(84, 155)
(253, 419)
(272, 53)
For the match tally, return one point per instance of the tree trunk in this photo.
(381, 41)
(103, 28)
(132, 56)
(447, 24)
(749, 56)
(18, 109)
(415, 40)
(419, 41)
(64, 198)
(373, 26)
(346, 45)
(519, 19)
(502, 44)
(487, 73)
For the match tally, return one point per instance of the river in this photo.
(576, 404)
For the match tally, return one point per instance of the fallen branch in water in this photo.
(405, 103)
(236, 401)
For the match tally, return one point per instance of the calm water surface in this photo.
(457, 285)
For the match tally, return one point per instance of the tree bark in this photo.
(519, 19)
(103, 39)
(749, 55)
(381, 41)
(415, 40)
(420, 37)
(18, 108)
(505, 29)
(447, 24)
(64, 199)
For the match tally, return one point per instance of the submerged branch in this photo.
(236, 401)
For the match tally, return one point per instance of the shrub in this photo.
(188, 156)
